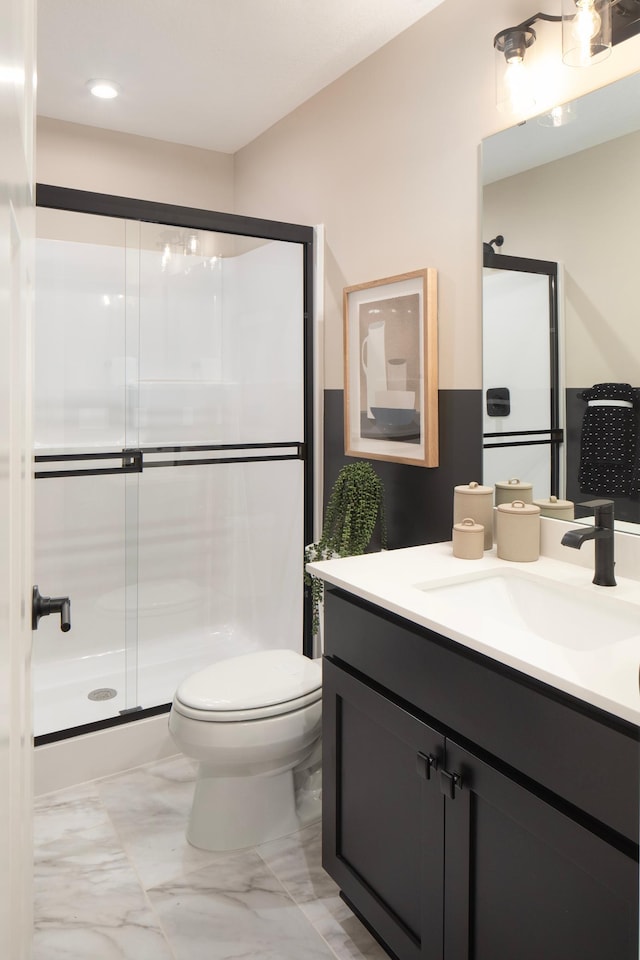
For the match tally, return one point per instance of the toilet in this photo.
(251, 721)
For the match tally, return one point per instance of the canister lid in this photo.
(519, 508)
(513, 483)
(473, 487)
(468, 525)
(553, 503)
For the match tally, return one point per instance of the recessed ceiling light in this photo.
(105, 89)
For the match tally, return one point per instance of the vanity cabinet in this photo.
(434, 827)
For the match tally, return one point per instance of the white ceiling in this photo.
(209, 73)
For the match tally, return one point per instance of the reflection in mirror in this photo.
(569, 194)
(522, 433)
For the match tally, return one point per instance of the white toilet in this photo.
(249, 720)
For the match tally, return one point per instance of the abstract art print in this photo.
(391, 369)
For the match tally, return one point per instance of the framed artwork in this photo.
(391, 369)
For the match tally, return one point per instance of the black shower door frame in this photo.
(145, 211)
(554, 436)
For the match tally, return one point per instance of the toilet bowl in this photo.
(251, 721)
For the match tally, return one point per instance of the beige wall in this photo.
(88, 158)
(576, 211)
(386, 158)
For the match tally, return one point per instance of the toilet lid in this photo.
(251, 681)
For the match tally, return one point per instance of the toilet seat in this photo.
(252, 686)
(234, 716)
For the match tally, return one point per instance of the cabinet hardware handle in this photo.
(449, 783)
(425, 764)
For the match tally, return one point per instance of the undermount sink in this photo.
(560, 614)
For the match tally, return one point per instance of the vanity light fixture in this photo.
(586, 39)
(514, 90)
(558, 116)
(179, 244)
(586, 31)
(103, 89)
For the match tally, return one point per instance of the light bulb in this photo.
(586, 26)
(586, 31)
(517, 86)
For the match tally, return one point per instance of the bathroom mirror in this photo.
(568, 193)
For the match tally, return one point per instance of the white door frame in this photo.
(17, 232)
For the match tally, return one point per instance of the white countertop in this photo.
(602, 674)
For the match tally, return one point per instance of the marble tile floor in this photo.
(115, 879)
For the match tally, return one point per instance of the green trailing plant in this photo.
(355, 508)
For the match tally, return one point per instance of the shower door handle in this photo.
(43, 606)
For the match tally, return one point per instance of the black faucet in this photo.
(602, 533)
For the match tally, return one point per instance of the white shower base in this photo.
(147, 677)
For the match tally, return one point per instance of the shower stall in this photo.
(173, 440)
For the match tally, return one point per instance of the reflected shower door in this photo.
(522, 413)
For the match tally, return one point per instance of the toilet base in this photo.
(229, 813)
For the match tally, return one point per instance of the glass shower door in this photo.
(86, 497)
(173, 476)
(221, 425)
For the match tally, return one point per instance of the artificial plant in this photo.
(355, 507)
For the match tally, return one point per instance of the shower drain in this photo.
(103, 693)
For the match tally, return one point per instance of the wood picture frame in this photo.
(391, 369)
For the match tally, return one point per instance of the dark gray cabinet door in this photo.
(383, 814)
(523, 880)
(535, 856)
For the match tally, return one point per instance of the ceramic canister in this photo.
(468, 540)
(509, 490)
(475, 501)
(559, 509)
(518, 531)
